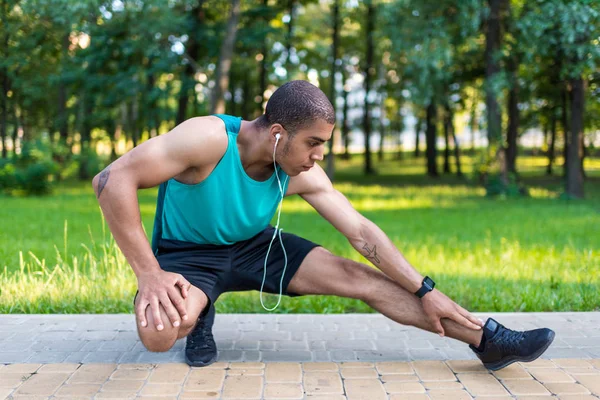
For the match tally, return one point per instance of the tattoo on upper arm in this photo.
(371, 253)
(102, 180)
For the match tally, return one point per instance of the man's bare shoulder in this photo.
(312, 181)
(203, 139)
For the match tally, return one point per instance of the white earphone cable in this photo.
(277, 232)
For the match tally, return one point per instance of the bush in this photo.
(32, 172)
(8, 176)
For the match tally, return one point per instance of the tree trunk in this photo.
(345, 125)
(15, 133)
(456, 147)
(565, 124)
(382, 131)
(494, 116)
(291, 6)
(447, 140)
(552, 142)
(63, 119)
(332, 95)
(473, 123)
(263, 67)
(430, 139)
(513, 117)
(188, 80)
(4, 113)
(222, 73)
(418, 127)
(247, 98)
(574, 175)
(369, 72)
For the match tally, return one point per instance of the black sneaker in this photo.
(502, 346)
(200, 348)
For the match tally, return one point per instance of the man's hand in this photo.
(166, 288)
(437, 306)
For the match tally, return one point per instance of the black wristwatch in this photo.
(426, 287)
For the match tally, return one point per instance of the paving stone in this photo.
(435, 385)
(566, 388)
(399, 377)
(78, 390)
(449, 395)
(161, 389)
(286, 355)
(591, 382)
(243, 387)
(467, 366)
(230, 355)
(365, 389)
(169, 373)
(283, 372)
(48, 357)
(514, 371)
(42, 384)
(525, 387)
(320, 366)
(66, 367)
(404, 387)
(205, 380)
(482, 385)
(276, 391)
(92, 373)
(359, 373)
(433, 371)
(130, 374)
(26, 368)
(103, 357)
(546, 375)
(573, 363)
(394, 368)
(12, 379)
(322, 383)
(122, 385)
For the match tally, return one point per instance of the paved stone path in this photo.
(351, 356)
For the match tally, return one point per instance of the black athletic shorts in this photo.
(216, 269)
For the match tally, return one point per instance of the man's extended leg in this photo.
(323, 273)
(160, 341)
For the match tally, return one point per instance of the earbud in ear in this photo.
(277, 136)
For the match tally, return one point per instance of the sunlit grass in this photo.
(531, 254)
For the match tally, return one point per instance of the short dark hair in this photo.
(296, 105)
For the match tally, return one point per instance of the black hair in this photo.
(296, 105)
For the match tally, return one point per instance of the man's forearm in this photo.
(118, 201)
(375, 245)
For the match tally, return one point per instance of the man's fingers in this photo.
(464, 321)
(171, 311)
(155, 309)
(471, 318)
(178, 302)
(437, 326)
(184, 285)
(140, 311)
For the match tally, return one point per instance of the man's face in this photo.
(307, 146)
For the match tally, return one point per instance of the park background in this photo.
(467, 130)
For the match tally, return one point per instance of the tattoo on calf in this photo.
(371, 253)
(103, 179)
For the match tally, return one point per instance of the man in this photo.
(221, 182)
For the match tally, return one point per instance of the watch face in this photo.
(429, 283)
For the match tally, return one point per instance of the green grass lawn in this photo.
(531, 254)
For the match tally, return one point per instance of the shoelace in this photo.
(511, 340)
(200, 338)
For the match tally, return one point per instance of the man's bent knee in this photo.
(161, 341)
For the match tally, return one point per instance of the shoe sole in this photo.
(199, 363)
(506, 362)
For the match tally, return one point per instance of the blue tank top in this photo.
(226, 207)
